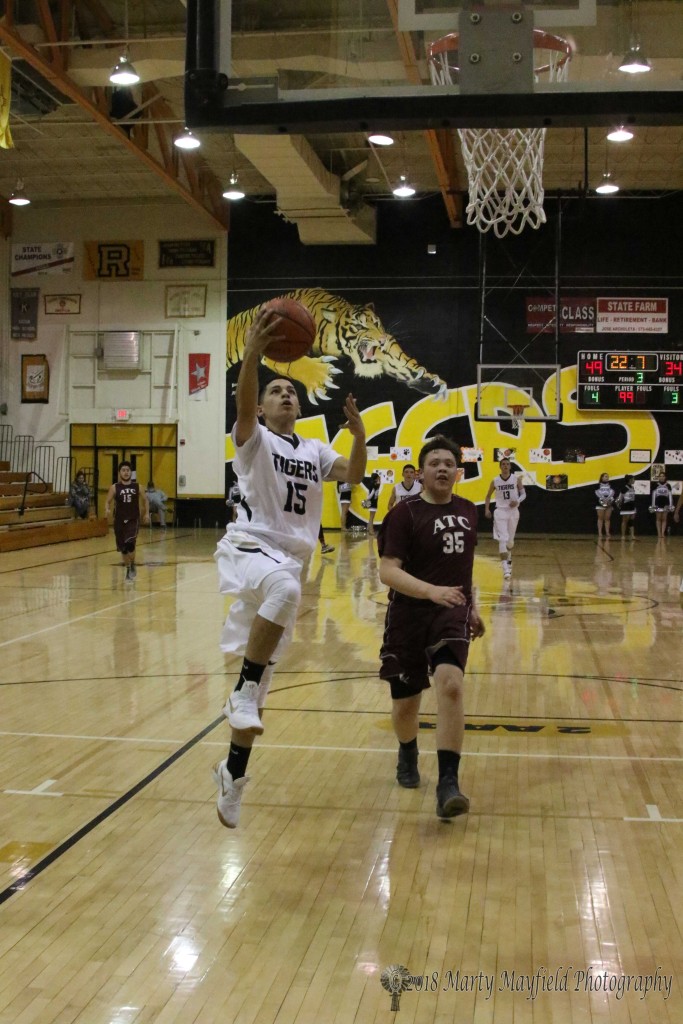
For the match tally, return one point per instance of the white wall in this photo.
(121, 306)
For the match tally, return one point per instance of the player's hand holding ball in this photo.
(295, 328)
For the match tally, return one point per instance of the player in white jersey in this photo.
(407, 488)
(509, 493)
(260, 557)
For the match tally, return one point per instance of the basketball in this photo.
(297, 327)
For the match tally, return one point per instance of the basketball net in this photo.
(504, 165)
(517, 416)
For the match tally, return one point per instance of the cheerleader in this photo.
(661, 503)
(605, 495)
(344, 490)
(371, 502)
(626, 503)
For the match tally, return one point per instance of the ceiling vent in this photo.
(308, 195)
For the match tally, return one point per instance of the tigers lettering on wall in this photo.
(353, 348)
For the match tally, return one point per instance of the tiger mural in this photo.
(343, 329)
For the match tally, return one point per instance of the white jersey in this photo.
(505, 491)
(402, 492)
(281, 484)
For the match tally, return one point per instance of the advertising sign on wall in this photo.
(577, 315)
(632, 316)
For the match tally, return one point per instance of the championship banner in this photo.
(42, 258)
(5, 94)
(24, 306)
(199, 371)
(632, 316)
(114, 261)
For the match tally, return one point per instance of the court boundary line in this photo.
(550, 755)
(81, 833)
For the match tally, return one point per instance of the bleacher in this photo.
(33, 508)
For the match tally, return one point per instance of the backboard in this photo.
(309, 66)
(535, 386)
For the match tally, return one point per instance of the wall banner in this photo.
(62, 305)
(114, 261)
(187, 252)
(24, 304)
(200, 363)
(632, 316)
(42, 258)
(35, 379)
(577, 315)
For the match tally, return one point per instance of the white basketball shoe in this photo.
(241, 708)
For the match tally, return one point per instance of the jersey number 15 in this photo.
(296, 498)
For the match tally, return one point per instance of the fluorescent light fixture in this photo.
(607, 187)
(186, 140)
(233, 192)
(19, 197)
(635, 62)
(124, 73)
(620, 134)
(404, 190)
(378, 139)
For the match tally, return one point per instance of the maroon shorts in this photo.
(413, 635)
(126, 533)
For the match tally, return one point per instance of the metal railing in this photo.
(22, 453)
(6, 435)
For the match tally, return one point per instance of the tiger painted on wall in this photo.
(343, 329)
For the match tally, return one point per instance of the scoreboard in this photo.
(635, 381)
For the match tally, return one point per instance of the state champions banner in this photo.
(41, 258)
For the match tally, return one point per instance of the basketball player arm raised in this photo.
(260, 334)
(352, 470)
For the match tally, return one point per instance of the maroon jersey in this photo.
(126, 503)
(435, 543)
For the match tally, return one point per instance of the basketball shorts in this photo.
(244, 563)
(413, 635)
(126, 533)
(505, 522)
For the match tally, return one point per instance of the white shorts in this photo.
(243, 565)
(505, 526)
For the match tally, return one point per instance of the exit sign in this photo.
(121, 414)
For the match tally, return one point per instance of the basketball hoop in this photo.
(504, 165)
(517, 416)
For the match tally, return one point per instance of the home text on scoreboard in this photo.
(634, 381)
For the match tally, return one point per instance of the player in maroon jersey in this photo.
(426, 546)
(126, 497)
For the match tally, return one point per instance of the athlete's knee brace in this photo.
(281, 593)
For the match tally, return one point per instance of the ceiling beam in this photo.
(439, 143)
(53, 74)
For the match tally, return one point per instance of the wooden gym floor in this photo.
(122, 899)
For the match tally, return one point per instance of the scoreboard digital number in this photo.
(635, 381)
